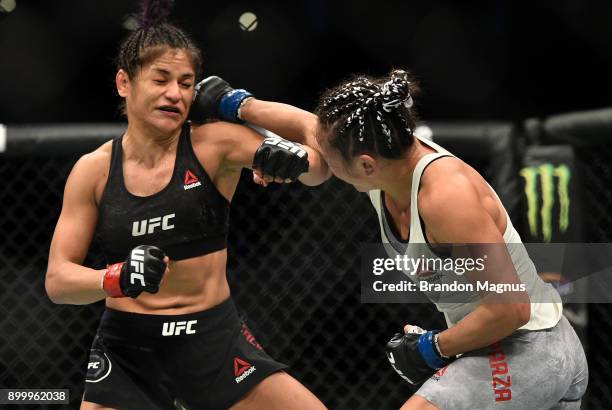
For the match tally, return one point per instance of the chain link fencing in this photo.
(294, 263)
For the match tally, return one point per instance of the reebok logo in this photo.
(147, 226)
(242, 369)
(175, 328)
(437, 375)
(191, 181)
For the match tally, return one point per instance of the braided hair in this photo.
(153, 37)
(369, 115)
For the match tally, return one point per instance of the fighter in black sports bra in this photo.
(187, 218)
(158, 200)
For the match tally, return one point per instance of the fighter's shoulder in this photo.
(92, 168)
(444, 170)
(98, 159)
(446, 184)
(215, 132)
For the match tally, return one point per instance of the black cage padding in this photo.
(585, 128)
(491, 148)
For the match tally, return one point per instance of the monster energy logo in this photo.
(547, 173)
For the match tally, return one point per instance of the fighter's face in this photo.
(160, 95)
(351, 173)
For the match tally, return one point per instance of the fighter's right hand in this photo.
(215, 99)
(415, 355)
(142, 271)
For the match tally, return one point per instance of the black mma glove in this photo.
(215, 98)
(279, 158)
(415, 356)
(141, 272)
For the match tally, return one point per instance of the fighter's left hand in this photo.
(279, 160)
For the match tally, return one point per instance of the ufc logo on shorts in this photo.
(136, 262)
(147, 226)
(288, 145)
(175, 328)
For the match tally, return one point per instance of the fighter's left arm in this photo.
(454, 214)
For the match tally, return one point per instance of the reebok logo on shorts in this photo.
(191, 181)
(242, 369)
(437, 375)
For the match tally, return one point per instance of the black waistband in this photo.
(140, 328)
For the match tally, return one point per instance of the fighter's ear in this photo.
(122, 82)
(367, 164)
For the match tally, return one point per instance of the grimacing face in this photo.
(161, 93)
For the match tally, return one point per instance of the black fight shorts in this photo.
(205, 360)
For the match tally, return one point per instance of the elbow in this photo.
(522, 313)
(52, 289)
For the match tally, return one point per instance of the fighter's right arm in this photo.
(67, 281)
(291, 122)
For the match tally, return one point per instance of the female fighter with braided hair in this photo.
(164, 189)
(514, 351)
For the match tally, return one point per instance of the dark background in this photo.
(497, 59)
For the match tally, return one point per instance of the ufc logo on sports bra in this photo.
(175, 328)
(147, 226)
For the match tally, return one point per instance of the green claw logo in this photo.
(547, 173)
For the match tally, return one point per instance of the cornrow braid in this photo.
(370, 115)
(153, 37)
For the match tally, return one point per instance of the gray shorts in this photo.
(541, 369)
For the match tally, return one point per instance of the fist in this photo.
(414, 355)
(214, 98)
(142, 271)
(280, 159)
